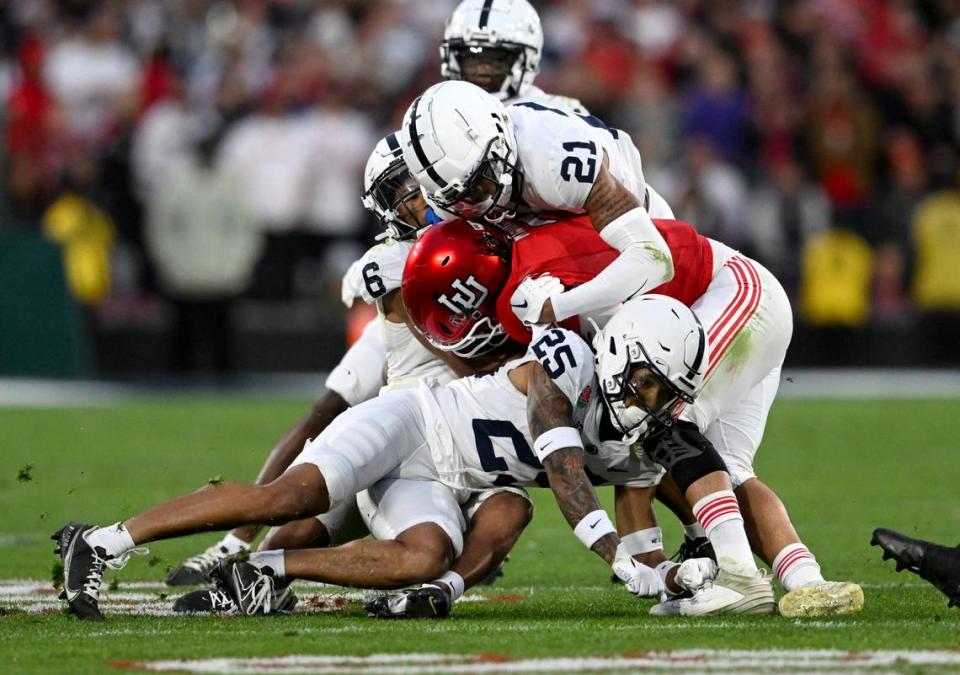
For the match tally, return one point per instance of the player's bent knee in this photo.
(427, 554)
(299, 493)
(504, 510)
(686, 454)
(303, 533)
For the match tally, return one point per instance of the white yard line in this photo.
(700, 660)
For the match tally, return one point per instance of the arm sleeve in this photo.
(644, 263)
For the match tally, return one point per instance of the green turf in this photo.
(841, 467)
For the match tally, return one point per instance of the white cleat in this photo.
(728, 594)
(829, 598)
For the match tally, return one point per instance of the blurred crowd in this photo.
(205, 149)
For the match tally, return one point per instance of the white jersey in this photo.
(379, 270)
(561, 154)
(377, 273)
(477, 429)
(535, 94)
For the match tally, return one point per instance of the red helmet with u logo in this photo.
(451, 282)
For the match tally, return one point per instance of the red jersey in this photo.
(573, 251)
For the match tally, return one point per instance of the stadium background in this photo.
(820, 136)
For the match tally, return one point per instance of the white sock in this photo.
(114, 539)
(272, 559)
(455, 583)
(796, 567)
(719, 515)
(232, 544)
(694, 531)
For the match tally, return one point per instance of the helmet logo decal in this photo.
(468, 295)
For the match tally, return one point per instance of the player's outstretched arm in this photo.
(644, 262)
(560, 449)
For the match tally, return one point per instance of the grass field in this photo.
(842, 467)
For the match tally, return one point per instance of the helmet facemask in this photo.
(395, 197)
(634, 420)
(488, 192)
(497, 68)
(485, 336)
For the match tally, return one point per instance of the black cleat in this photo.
(906, 552)
(427, 602)
(206, 601)
(939, 565)
(255, 590)
(195, 571)
(694, 548)
(82, 570)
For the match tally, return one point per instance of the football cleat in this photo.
(939, 565)
(427, 602)
(255, 590)
(206, 601)
(727, 594)
(829, 598)
(694, 548)
(195, 570)
(83, 569)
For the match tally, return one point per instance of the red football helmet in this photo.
(451, 282)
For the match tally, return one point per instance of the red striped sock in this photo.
(715, 509)
(719, 515)
(796, 567)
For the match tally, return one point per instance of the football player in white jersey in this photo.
(476, 158)
(497, 45)
(387, 357)
(451, 440)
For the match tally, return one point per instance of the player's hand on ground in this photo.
(528, 299)
(642, 581)
(693, 574)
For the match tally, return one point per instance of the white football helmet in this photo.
(658, 333)
(459, 144)
(388, 187)
(504, 34)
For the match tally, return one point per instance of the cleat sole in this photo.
(830, 599)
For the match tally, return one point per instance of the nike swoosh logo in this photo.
(595, 523)
(71, 592)
(513, 304)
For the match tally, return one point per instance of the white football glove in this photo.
(642, 581)
(694, 573)
(527, 301)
